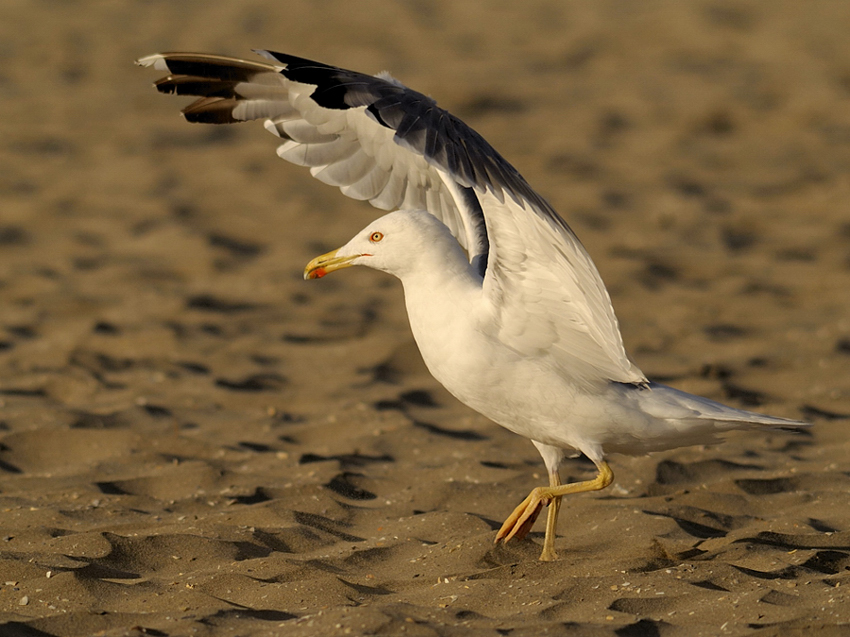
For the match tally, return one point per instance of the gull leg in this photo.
(549, 554)
(520, 521)
(552, 457)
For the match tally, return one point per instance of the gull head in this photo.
(395, 243)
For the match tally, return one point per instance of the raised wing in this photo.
(548, 297)
(382, 142)
(370, 136)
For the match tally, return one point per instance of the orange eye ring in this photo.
(376, 236)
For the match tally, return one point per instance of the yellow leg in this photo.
(519, 522)
(549, 554)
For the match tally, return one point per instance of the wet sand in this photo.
(195, 441)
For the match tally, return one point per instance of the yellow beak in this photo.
(327, 263)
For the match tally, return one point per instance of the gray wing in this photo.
(372, 137)
(380, 141)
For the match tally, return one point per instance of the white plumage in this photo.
(507, 307)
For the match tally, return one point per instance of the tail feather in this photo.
(670, 403)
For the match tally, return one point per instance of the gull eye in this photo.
(376, 236)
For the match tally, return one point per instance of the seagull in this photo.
(504, 302)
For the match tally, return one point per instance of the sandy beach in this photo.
(195, 441)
